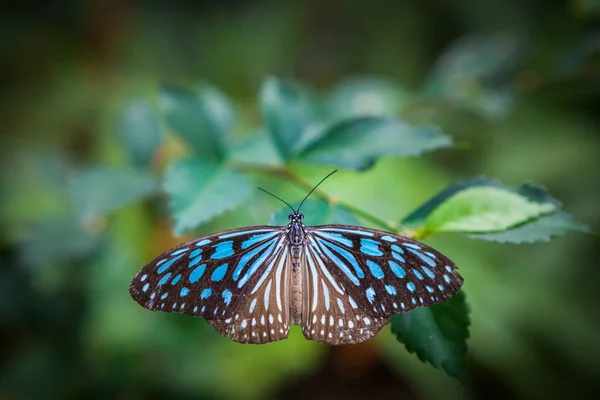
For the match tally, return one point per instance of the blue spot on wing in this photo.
(248, 256)
(336, 237)
(397, 269)
(227, 296)
(345, 254)
(256, 239)
(428, 272)
(197, 273)
(219, 273)
(341, 265)
(375, 269)
(168, 264)
(184, 291)
(222, 250)
(370, 294)
(397, 248)
(203, 242)
(206, 293)
(176, 279)
(411, 286)
(195, 261)
(418, 274)
(195, 253)
(164, 279)
(176, 252)
(390, 289)
(257, 263)
(423, 257)
(370, 247)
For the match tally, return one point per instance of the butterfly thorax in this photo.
(296, 235)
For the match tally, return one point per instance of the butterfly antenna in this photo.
(278, 198)
(313, 189)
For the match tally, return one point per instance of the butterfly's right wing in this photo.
(229, 278)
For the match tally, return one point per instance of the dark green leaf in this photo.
(358, 142)
(437, 334)
(98, 190)
(287, 113)
(317, 212)
(140, 129)
(200, 191)
(540, 230)
(202, 118)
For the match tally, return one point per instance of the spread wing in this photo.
(358, 278)
(237, 280)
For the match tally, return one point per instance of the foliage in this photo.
(102, 165)
(216, 177)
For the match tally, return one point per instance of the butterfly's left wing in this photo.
(237, 280)
(372, 275)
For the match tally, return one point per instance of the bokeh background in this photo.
(516, 84)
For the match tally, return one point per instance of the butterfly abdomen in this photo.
(296, 292)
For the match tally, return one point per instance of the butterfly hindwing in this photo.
(330, 314)
(224, 278)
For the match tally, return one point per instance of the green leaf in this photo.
(140, 130)
(484, 209)
(437, 334)
(200, 191)
(257, 150)
(358, 142)
(362, 96)
(316, 212)
(541, 230)
(417, 218)
(287, 112)
(202, 118)
(99, 190)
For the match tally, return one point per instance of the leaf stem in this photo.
(286, 174)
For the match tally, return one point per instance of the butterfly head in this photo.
(296, 216)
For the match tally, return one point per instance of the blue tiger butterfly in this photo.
(340, 283)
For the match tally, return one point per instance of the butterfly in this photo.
(341, 283)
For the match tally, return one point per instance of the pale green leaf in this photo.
(200, 191)
(541, 230)
(484, 209)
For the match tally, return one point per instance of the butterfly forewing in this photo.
(227, 278)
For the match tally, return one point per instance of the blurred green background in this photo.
(515, 83)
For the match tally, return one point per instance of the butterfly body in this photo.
(340, 283)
